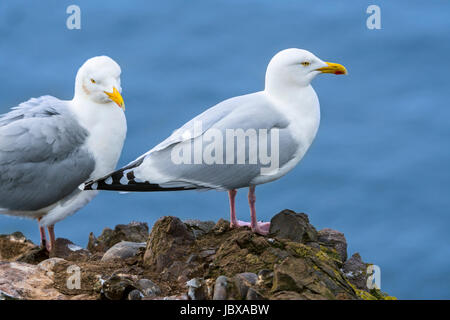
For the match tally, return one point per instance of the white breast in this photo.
(107, 128)
(302, 109)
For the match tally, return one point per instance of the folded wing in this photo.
(157, 171)
(42, 155)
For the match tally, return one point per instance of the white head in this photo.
(98, 80)
(294, 68)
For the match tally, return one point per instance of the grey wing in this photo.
(42, 155)
(157, 170)
(208, 118)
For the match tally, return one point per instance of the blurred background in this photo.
(379, 167)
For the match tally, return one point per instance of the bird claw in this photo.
(261, 228)
(46, 245)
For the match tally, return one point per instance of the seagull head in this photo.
(297, 68)
(98, 80)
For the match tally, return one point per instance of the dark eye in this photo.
(92, 80)
(305, 63)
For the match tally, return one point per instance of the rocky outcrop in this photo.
(15, 247)
(20, 280)
(123, 250)
(190, 260)
(335, 240)
(294, 226)
(66, 249)
(168, 244)
(132, 232)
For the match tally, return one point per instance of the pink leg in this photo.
(233, 221)
(257, 227)
(51, 235)
(43, 237)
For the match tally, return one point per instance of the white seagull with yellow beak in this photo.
(48, 147)
(288, 107)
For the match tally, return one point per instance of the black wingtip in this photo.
(119, 181)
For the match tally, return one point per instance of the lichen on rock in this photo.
(192, 260)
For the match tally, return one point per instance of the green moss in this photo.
(374, 294)
(252, 259)
(299, 249)
(332, 253)
(365, 295)
(322, 256)
(277, 244)
(381, 295)
(269, 258)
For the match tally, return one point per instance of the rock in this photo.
(241, 250)
(182, 278)
(222, 264)
(294, 226)
(49, 264)
(148, 287)
(292, 275)
(355, 270)
(207, 254)
(253, 294)
(135, 295)
(67, 250)
(199, 227)
(288, 295)
(20, 280)
(123, 250)
(220, 288)
(13, 246)
(97, 286)
(221, 227)
(313, 245)
(173, 297)
(5, 296)
(34, 256)
(265, 278)
(265, 274)
(295, 274)
(210, 288)
(192, 258)
(244, 281)
(334, 239)
(83, 297)
(197, 289)
(133, 232)
(168, 242)
(177, 270)
(117, 288)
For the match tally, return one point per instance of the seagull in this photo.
(203, 155)
(49, 147)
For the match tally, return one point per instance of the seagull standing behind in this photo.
(288, 106)
(49, 147)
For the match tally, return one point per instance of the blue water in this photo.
(379, 168)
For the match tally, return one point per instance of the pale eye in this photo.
(93, 81)
(306, 63)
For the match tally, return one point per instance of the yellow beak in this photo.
(116, 97)
(335, 68)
